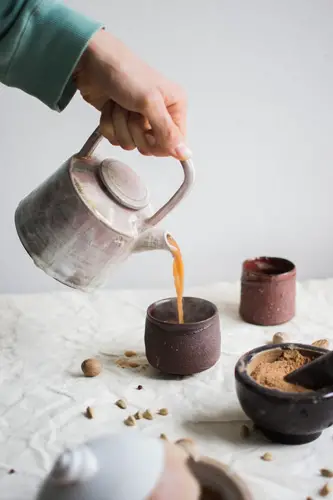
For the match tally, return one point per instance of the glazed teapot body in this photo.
(89, 216)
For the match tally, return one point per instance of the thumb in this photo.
(165, 136)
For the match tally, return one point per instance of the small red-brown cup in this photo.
(268, 291)
(182, 349)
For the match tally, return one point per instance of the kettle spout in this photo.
(153, 239)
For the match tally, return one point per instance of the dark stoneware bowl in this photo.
(283, 417)
(268, 291)
(217, 481)
(182, 349)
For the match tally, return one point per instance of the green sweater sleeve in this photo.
(41, 42)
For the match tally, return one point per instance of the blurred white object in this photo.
(114, 467)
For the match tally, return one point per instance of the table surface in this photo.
(44, 338)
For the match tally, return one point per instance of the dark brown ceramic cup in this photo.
(268, 291)
(217, 481)
(182, 349)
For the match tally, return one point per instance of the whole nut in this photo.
(90, 413)
(279, 338)
(147, 414)
(121, 404)
(130, 421)
(267, 457)
(326, 472)
(163, 411)
(325, 490)
(324, 343)
(91, 367)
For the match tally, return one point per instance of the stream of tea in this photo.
(178, 275)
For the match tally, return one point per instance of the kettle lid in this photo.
(123, 184)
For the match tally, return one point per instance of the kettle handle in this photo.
(92, 143)
(189, 176)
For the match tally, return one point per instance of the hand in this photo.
(139, 107)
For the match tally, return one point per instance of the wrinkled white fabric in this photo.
(44, 339)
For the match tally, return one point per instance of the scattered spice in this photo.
(163, 436)
(325, 490)
(121, 404)
(279, 338)
(11, 471)
(164, 412)
(90, 413)
(326, 472)
(130, 421)
(130, 363)
(245, 431)
(139, 388)
(267, 457)
(91, 367)
(138, 415)
(130, 354)
(133, 364)
(147, 414)
(271, 373)
(324, 343)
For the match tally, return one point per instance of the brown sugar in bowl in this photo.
(182, 349)
(268, 291)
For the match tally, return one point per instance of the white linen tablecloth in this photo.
(44, 338)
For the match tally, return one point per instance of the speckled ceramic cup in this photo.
(182, 349)
(217, 481)
(268, 291)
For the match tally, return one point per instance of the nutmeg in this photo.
(91, 367)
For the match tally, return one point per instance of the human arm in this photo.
(41, 42)
(49, 50)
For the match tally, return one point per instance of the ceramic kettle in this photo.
(89, 216)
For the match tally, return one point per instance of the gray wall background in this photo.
(259, 75)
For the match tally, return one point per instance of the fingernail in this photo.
(151, 140)
(183, 152)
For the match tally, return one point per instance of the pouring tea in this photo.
(90, 215)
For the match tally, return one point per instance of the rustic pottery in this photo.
(182, 349)
(283, 417)
(268, 291)
(89, 216)
(217, 481)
